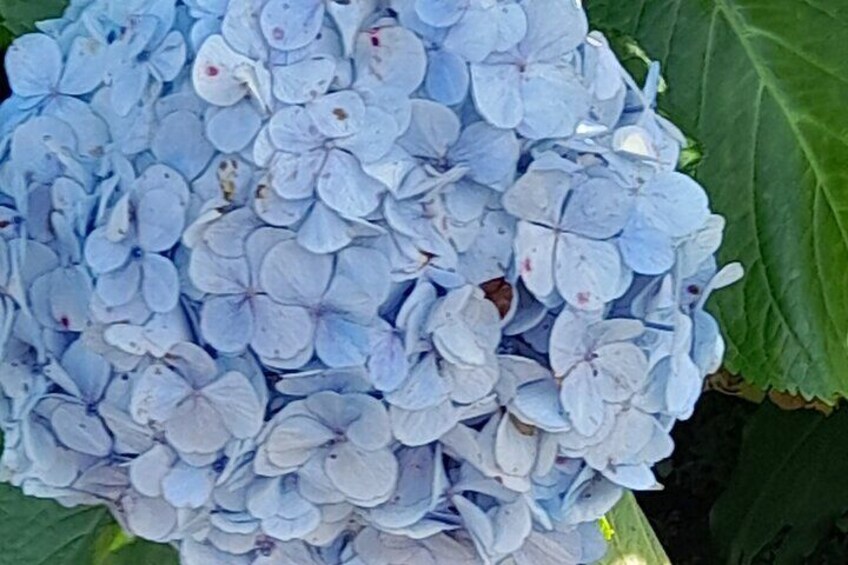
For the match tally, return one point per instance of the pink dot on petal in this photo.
(212, 71)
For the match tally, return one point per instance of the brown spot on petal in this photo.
(340, 114)
(500, 293)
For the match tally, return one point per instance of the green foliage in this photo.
(789, 489)
(35, 532)
(19, 16)
(633, 541)
(41, 532)
(762, 84)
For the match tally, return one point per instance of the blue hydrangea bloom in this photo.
(345, 282)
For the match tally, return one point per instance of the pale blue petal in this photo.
(34, 65)
(281, 332)
(227, 323)
(84, 67)
(339, 114)
(490, 154)
(390, 57)
(367, 478)
(554, 101)
(323, 231)
(304, 81)
(344, 187)
(440, 13)
(291, 24)
(497, 94)
(168, 59)
(103, 255)
(588, 272)
(80, 431)
(340, 342)
(598, 208)
(160, 283)
(294, 176)
(474, 37)
(302, 286)
(673, 203)
(646, 250)
(447, 79)
(582, 401)
(232, 129)
(234, 398)
(171, 148)
(188, 487)
(119, 287)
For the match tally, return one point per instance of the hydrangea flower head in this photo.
(345, 282)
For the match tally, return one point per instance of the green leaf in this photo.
(115, 547)
(633, 541)
(762, 85)
(41, 532)
(789, 488)
(20, 15)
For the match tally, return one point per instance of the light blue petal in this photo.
(323, 231)
(474, 37)
(70, 294)
(375, 139)
(84, 67)
(497, 94)
(387, 365)
(554, 101)
(234, 398)
(212, 273)
(80, 431)
(345, 188)
(170, 146)
(168, 59)
(188, 487)
(447, 79)
(390, 57)
(425, 387)
(160, 217)
(646, 250)
(227, 323)
(117, 288)
(303, 286)
(342, 343)
(34, 65)
(367, 478)
(160, 283)
(281, 332)
(232, 129)
(673, 203)
(291, 24)
(294, 176)
(490, 154)
(128, 84)
(339, 114)
(554, 28)
(537, 403)
(103, 255)
(588, 273)
(582, 401)
(440, 13)
(156, 395)
(196, 428)
(414, 497)
(420, 427)
(433, 130)
(304, 81)
(598, 208)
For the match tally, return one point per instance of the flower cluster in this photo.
(345, 282)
